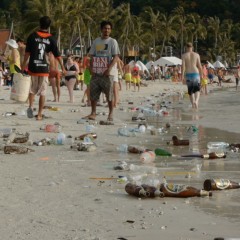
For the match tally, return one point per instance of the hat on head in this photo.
(12, 43)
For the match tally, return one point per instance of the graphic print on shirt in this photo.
(101, 61)
(41, 48)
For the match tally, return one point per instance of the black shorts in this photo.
(101, 84)
(237, 80)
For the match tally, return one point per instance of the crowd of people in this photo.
(101, 70)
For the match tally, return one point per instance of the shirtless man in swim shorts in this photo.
(192, 74)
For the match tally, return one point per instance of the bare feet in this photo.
(39, 118)
(110, 118)
(90, 117)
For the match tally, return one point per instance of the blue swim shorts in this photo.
(193, 82)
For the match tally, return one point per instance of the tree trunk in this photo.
(181, 40)
(163, 45)
(80, 40)
(59, 39)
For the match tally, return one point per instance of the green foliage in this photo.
(212, 25)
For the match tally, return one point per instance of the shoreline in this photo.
(48, 194)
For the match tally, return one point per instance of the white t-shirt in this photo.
(102, 51)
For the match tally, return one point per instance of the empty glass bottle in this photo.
(182, 191)
(220, 184)
(142, 191)
(162, 152)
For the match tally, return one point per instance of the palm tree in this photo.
(80, 16)
(61, 15)
(214, 26)
(125, 22)
(37, 9)
(197, 30)
(167, 29)
(139, 38)
(181, 19)
(153, 23)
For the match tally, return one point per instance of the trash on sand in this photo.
(13, 149)
(220, 184)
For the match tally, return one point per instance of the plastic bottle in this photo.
(87, 140)
(136, 177)
(147, 157)
(51, 128)
(219, 184)
(143, 169)
(162, 152)
(60, 139)
(123, 148)
(217, 145)
(142, 128)
(5, 132)
(182, 191)
(90, 128)
(125, 132)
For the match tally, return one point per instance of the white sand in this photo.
(48, 194)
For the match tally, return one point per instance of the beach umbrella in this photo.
(170, 61)
(142, 66)
(218, 64)
(149, 64)
(210, 65)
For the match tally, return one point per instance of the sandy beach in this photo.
(56, 193)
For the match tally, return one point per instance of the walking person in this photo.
(152, 72)
(104, 54)
(87, 78)
(191, 74)
(54, 77)
(116, 83)
(39, 45)
(159, 72)
(21, 49)
(204, 80)
(211, 75)
(220, 77)
(13, 58)
(237, 76)
(136, 77)
(72, 71)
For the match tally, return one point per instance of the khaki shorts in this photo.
(101, 84)
(39, 85)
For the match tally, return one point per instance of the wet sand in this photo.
(50, 194)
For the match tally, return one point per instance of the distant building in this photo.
(4, 36)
